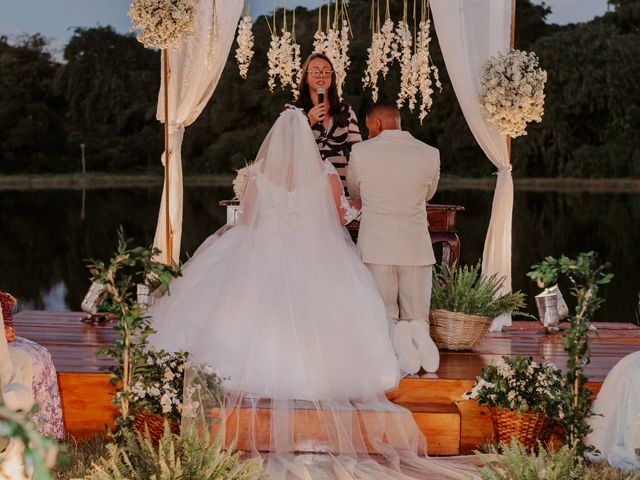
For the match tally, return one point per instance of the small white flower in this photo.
(240, 182)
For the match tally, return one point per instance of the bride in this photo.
(283, 308)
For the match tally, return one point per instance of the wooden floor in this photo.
(451, 426)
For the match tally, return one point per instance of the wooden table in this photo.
(442, 228)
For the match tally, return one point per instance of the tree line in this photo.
(104, 95)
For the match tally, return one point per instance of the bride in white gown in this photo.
(284, 309)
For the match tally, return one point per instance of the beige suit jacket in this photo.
(394, 174)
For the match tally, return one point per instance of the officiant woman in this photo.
(334, 123)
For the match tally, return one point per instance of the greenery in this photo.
(464, 289)
(104, 95)
(515, 462)
(519, 383)
(175, 457)
(586, 277)
(128, 267)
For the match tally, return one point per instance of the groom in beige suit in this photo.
(395, 174)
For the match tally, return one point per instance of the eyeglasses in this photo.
(320, 73)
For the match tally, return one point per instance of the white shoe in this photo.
(427, 349)
(407, 353)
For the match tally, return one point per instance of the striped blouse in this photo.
(335, 142)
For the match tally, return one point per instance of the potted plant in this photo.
(464, 303)
(524, 398)
(157, 395)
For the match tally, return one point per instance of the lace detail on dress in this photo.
(279, 208)
(350, 213)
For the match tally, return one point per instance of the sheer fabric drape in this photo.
(469, 32)
(284, 309)
(195, 68)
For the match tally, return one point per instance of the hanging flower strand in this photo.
(381, 54)
(283, 58)
(335, 43)
(244, 52)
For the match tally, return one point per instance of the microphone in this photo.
(320, 95)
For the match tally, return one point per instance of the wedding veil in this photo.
(283, 308)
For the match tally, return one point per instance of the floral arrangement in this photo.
(240, 182)
(512, 91)
(520, 384)
(335, 45)
(162, 23)
(383, 51)
(244, 52)
(284, 61)
(160, 383)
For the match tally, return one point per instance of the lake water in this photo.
(47, 234)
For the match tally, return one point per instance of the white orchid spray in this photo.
(284, 62)
(512, 91)
(162, 23)
(408, 84)
(425, 70)
(335, 45)
(380, 55)
(245, 39)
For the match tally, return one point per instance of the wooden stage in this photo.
(452, 427)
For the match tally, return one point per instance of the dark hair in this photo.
(384, 106)
(337, 109)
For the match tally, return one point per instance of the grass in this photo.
(76, 457)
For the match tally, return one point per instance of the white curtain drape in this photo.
(469, 32)
(195, 68)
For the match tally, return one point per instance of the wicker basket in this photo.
(528, 428)
(154, 422)
(457, 331)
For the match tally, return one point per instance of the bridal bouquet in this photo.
(162, 23)
(240, 182)
(512, 91)
(520, 384)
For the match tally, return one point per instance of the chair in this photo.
(16, 377)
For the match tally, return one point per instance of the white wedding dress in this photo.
(283, 308)
(616, 424)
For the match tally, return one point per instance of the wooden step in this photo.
(440, 423)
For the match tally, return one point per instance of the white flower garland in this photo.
(512, 91)
(244, 52)
(335, 45)
(162, 23)
(408, 85)
(382, 52)
(424, 70)
(284, 62)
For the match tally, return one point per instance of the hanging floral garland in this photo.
(512, 91)
(383, 50)
(245, 39)
(162, 23)
(284, 57)
(334, 43)
(418, 73)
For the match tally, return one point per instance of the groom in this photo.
(395, 174)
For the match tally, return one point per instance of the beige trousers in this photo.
(406, 290)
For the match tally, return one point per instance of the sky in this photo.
(55, 19)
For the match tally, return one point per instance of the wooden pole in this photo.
(513, 43)
(167, 156)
